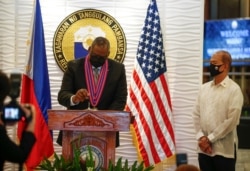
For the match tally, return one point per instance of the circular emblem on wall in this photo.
(76, 32)
(97, 155)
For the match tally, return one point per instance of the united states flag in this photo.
(149, 99)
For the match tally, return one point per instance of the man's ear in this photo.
(227, 66)
(89, 49)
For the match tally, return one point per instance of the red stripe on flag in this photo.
(165, 87)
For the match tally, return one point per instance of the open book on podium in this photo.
(90, 128)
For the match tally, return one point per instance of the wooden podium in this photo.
(94, 128)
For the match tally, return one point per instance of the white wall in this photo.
(182, 26)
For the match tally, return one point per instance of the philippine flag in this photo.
(35, 89)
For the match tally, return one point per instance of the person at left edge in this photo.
(9, 150)
(74, 93)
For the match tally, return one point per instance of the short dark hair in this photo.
(225, 57)
(4, 87)
(101, 41)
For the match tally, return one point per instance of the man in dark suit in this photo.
(81, 88)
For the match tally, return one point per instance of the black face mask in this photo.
(97, 61)
(214, 69)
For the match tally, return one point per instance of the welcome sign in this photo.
(232, 35)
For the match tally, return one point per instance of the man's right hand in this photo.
(80, 96)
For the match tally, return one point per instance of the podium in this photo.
(89, 128)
